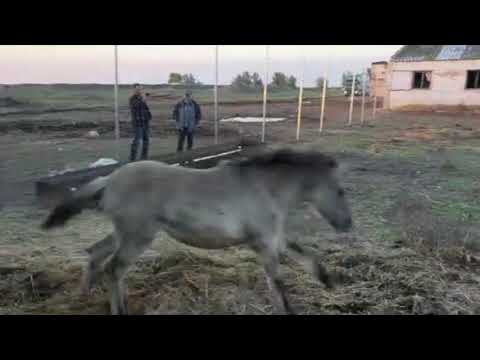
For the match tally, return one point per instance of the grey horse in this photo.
(238, 202)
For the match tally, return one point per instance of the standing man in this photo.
(187, 115)
(141, 117)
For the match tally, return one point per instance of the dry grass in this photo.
(189, 281)
(375, 149)
(448, 166)
(421, 229)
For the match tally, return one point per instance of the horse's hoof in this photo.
(324, 277)
(88, 283)
(119, 312)
(329, 281)
(289, 310)
(292, 312)
(86, 288)
(85, 291)
(330, 285)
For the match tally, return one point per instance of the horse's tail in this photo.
(88, 196)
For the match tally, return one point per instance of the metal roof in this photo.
(412, 53)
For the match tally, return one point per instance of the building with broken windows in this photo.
(428, 77)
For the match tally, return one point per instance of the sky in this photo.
(152, 64)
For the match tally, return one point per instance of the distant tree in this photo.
(257, 81)
(279, 81)
(175, 78)
(319, 82)
(292, 82)
(188, 79)
(243, 81)
(247, 79)
(236, 82)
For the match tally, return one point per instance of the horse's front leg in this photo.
(270, 257)
(311, 264)
(276, 285)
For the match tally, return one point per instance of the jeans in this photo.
(141, 133)
(182, 133)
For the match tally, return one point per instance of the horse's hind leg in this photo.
(311, 263)
(130, 248)
(98, 252)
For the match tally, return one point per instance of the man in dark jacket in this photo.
(187, 115)
(141, 117)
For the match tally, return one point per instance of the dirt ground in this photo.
(412, 178)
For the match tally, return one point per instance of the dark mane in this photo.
(304, 159)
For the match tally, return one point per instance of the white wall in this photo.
(447, 87)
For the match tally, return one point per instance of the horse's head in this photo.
(323, 190)
(313, 176)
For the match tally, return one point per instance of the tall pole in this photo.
(265, 87)
(362, 115)
(351, 102)
(374, 95)
(324, 93)
(117, 125)
(300, 100)
(215, 93)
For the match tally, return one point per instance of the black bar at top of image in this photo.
(239, 23)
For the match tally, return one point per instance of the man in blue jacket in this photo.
(187, 115)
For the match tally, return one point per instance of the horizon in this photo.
(151, 65)
(131, 84)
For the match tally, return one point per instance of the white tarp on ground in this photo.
(251, 119)
(103, 162)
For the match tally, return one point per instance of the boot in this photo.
(133, 153)
(144, 152)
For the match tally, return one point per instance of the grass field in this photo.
(99, 96)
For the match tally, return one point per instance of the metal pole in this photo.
(117, 125)
(362, 115)
(374, 96)
(351, 101)
(265, 87)
(300, 100)
(324, 93)
(216, 94)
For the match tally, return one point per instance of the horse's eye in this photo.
(341, 192)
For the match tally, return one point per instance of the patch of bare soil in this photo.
(440, 109)
(10, 102)
(72, 129)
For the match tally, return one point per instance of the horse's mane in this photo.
(304, 159)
